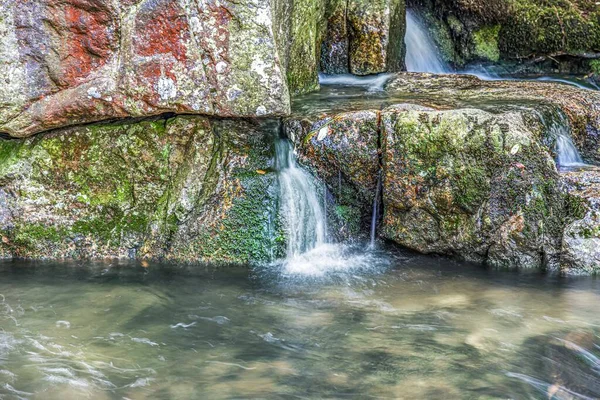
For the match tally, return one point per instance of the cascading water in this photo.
(567, 154)
(308, 251)
(374, 83)
(301, 210)
(421, 52)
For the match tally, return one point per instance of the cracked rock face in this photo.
(70, 62)
(364, 37)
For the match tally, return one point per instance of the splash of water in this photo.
(421, 52)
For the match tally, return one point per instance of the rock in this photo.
(182, 189)
(334, 49)
(300, 26)
(364, 37)
(376, 29)
(582, 107)
(471, 184)
(581, 240)
(474, 184)
(71, 62)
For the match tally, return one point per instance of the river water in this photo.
(417, 327)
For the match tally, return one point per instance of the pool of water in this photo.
(413, 327)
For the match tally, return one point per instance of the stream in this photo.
(417, 327)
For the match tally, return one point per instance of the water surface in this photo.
(417, 328)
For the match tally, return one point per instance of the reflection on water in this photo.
(419, 328)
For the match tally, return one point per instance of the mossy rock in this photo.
(134, 190)
(470, 184)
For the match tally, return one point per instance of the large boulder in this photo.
(70, 62)
(184, 189)
(582, 107)
(364, 37)
(472, 184)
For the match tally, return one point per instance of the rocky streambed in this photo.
(147, 130)
(468, 170)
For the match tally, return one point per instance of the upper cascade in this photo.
(421, 52)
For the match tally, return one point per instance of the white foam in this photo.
(326, 259)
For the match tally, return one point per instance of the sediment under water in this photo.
(419, 328)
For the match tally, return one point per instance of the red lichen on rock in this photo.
(162, 29)
(82, 38)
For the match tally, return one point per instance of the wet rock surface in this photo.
(182, 189)
(582, 107)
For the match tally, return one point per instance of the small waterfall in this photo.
(375, 216)
(421, 52)
(309, 254)
(301, 209)
(567, 154)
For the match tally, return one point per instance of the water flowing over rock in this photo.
(343, 150)
(421, 52)
(303, 218)
(469, 166)
(581, 107)
(530, 34)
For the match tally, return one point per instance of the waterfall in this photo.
(303, 215)
(309, 254)
(567, 154)
(421, 52)
(374, 83)
(375, 216)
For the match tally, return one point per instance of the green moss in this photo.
(112, 226)
(250, 231)
(595, 67)
(307, 31)
(548, 27)
(486, 43)
(35, 234)
(349, 219)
